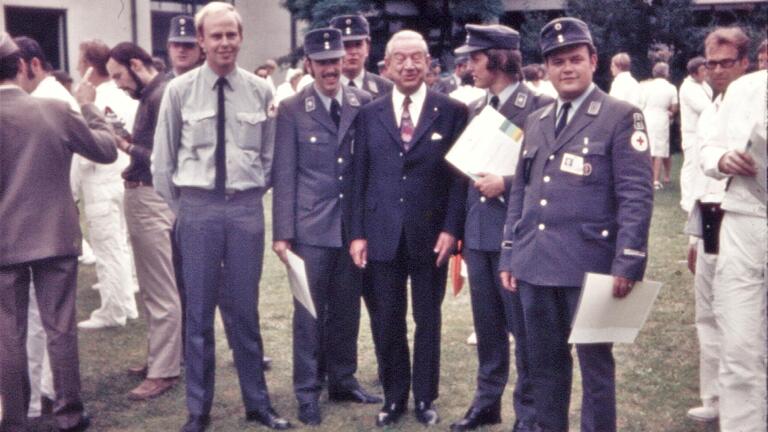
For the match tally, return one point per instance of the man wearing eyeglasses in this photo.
(730, 153)
(407, 212)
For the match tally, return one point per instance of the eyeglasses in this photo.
(725, 63)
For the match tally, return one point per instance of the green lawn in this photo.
(657, 376)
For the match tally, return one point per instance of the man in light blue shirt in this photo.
(212, 163)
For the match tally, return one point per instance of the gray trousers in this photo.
(55, 287)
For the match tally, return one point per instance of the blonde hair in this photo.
(213, 8)
(622, 61)
(403, 35)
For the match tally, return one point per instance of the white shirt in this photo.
(694, 98)
(743, 112)
(417, 103)
(52, 89)
(467, 94)
(706, 189)
(626, 88)
(658, 95)
(305, 80)
(284, 91)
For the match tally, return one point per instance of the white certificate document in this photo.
(601, 317)
(297, 278)
(489, 144)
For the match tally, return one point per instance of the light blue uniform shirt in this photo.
(185, 137)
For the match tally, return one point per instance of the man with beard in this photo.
(495, 62)
(212, 163)
(312, 184)
(41, 234)
(407, 213)
(149, 222)
(356, 35)
(183, 51)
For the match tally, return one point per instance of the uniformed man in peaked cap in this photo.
(581, 202)
(183, 50)
(356, 35)
(312, 175)
(495, 63)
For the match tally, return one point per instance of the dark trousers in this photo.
(389, 280)
(334, 283)
(549, 312)
(497, 312)
(369, 298)
(55, 282)
(179, 275)
(222, 246)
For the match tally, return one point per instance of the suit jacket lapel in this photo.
(387, 118)
(319, 112)
(586, 113)
(429, 112)
(548, 124)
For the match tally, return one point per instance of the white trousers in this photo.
(706, 326)
(740, 310)
(107, 234)
(40, 376)
(688, 170)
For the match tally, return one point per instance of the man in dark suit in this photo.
(495, 62)
(356, 34)
(407, 212)
(581, 202)
(41, 235)
(312, 174)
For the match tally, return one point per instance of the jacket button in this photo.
(604, 233)
(341, 196)
(312, 139)
(405, 177)
(543, 202)
(340, 160)
(542, 227)
(341, 178)
(401, 200)
(547, 179)
(400, 154)
(551, 157)
(482, 199)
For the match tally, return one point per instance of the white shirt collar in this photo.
(417, 103)
(325, 99)
(504, 95)
(576, 103)
(358, 79)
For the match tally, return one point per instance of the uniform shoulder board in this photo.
(594, 108)
(352, 99)
(372, 86)
(520, 100)
(309, 104)
(638, 121)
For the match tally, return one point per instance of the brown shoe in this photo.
(151, 388)
(140, 371)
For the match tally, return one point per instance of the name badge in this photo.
(572, 164)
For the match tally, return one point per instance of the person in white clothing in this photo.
(694, 96)
(624, 86)
(39, 82)
(289, 87)
(659, 104)
(102, 195)
(736, 152)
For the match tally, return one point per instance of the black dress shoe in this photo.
(83, 424)
(389, 414)
(269, 418)
(475, 418)
(357, 395)
(196, 423)
(309, 414)
(426, 413)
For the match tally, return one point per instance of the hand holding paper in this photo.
(297, 278)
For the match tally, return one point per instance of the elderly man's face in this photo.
(407, 64)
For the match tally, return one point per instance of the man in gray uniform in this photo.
(581, 202)
(495, 62)
(312, 178)
(356, 35)
(183, 51)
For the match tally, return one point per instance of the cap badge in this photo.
(182, 21)
(348, 30)
(349, 21)
(558, 26)
(560, 38)
(326, 36)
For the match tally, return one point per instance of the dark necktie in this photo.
(406, 124)
(221, 152)
(335, 112)
(563, 119)
(495, 102)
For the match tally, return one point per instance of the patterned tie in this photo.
(335, 112)
(406, 124)
(563, 120)
(221, 152)
(495, 102)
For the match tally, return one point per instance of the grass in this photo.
(657, 375)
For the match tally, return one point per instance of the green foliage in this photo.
(482, 10)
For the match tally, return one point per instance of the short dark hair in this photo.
(96, 54)
(124, 52)
(531, 72)
(694, 64)
(9, 66)
(30, 49)
(508, 61)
